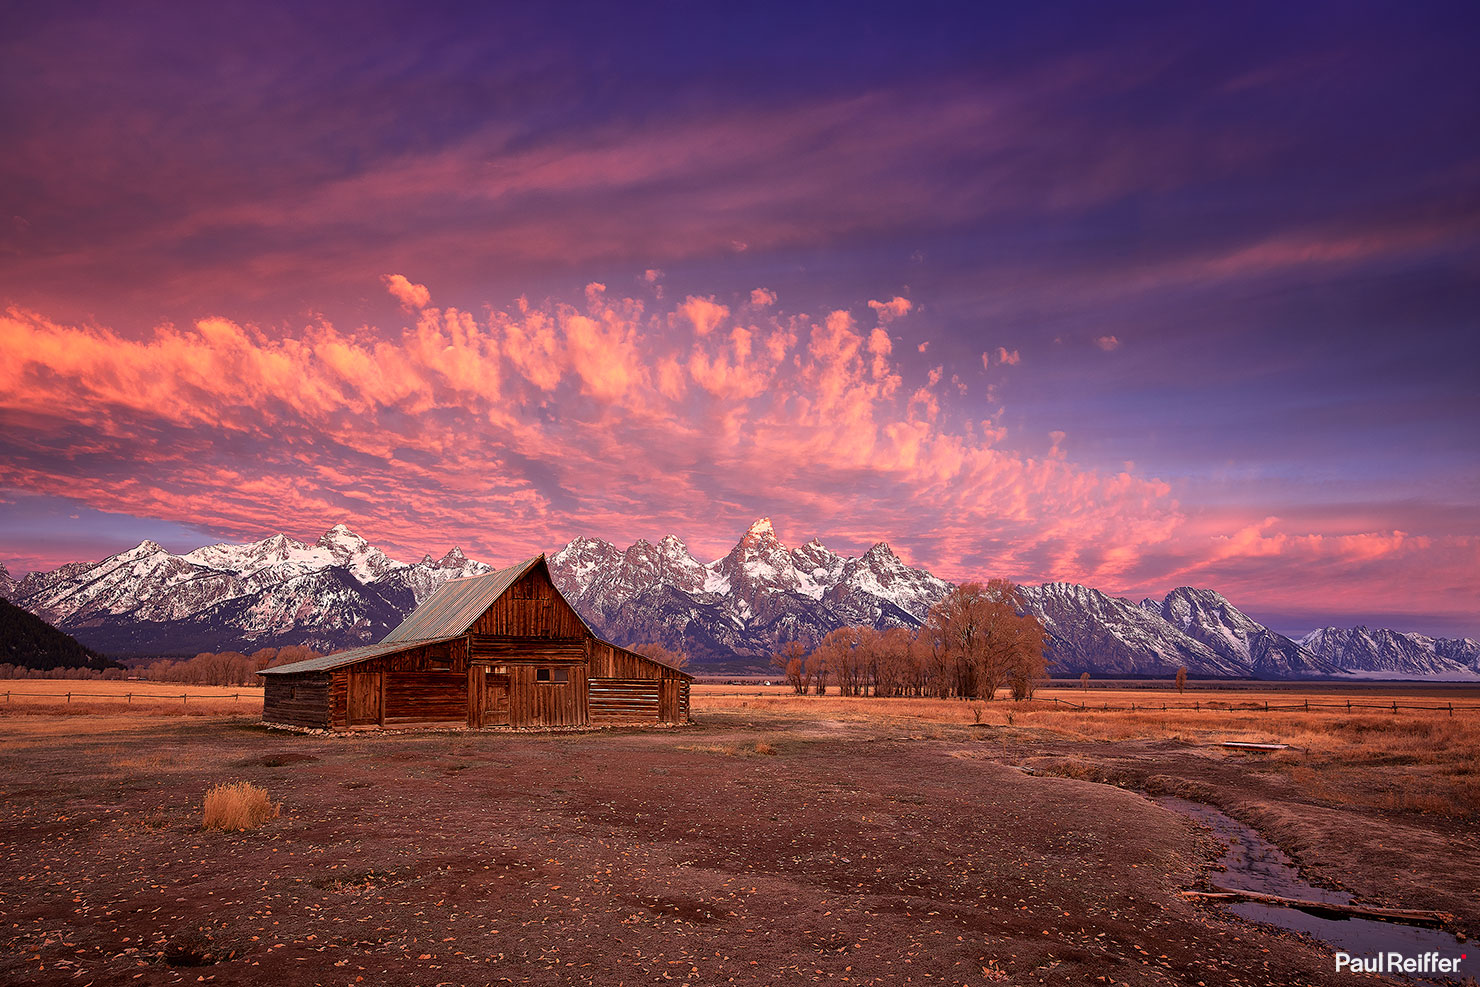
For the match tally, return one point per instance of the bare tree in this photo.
(790, 661)
(660, 652)
(1084, 681)
(817, 671)
(987, 643)
(1181, 679)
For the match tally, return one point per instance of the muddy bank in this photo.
(1403, 860)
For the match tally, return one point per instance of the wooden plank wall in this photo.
(625, 700)
(495, 648)
(532, 607)
(611, 662)
(426, 697)
(297, 700)
(547, 704)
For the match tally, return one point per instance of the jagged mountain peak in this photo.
(759, 528)
(341, 537)
(453, 559)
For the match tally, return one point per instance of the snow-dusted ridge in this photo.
(340, 591)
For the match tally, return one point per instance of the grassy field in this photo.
(91, 698)
(1412, 760)
(778, 839)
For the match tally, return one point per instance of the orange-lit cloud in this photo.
(513, 431)
(412, 296)
(892, 309)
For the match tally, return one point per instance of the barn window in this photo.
(552, 675)
(440, 666)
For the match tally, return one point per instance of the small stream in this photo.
(1252, 863)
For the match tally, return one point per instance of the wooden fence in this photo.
(1255, 707)
(128, 697)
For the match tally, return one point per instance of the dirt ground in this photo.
(753, 847)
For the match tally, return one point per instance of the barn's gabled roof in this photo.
(326, 663)
(457, 604)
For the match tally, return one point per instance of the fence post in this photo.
(1395, 705)
(128, 698)
(1451, 709)
(1266, 705)
(69, 697)
(1307, 705)
(185, 699)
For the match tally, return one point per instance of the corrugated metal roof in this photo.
(455, 605)
(325, 663)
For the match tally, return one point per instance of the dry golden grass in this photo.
(238, 805)
(1419, 761)
(49, 697)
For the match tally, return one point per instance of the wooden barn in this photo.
(499, 650)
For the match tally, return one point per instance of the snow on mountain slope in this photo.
(1380, 651)
(1090, 631)
(8, 583)
(746, 603)
(1208, 617)
(328, 594)
(341, 591)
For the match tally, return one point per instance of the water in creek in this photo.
(1252, 863)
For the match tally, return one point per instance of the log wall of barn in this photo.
(297, 700)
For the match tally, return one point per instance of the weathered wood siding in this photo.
(425, 697)
(625, 700)
(297, 700)
(532, 607)
(488, 697)
(547, 704)
(497, 648)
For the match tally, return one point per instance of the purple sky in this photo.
(1135, 295)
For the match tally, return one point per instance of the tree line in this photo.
(974, 642)
(206, 668)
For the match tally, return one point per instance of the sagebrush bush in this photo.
(238, 805)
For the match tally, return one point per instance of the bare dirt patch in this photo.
(867, 849)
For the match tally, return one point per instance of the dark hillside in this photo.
(30, 642)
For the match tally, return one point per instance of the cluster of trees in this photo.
(974, 642)
(225, 667)
(206, 668)
(79, 672)
(661, 652)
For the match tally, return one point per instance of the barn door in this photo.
(365, 706)
(495, 700)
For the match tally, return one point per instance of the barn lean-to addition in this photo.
(499, 650)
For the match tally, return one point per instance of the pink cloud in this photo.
(411, 296)
(761, 298)
(892, 309)
(511, 431)
(1107, 343)
(704, 314)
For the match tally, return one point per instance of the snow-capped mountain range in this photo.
(742, 605)
(338, 592)
(341, 591)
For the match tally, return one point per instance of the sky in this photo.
(1134, 295)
